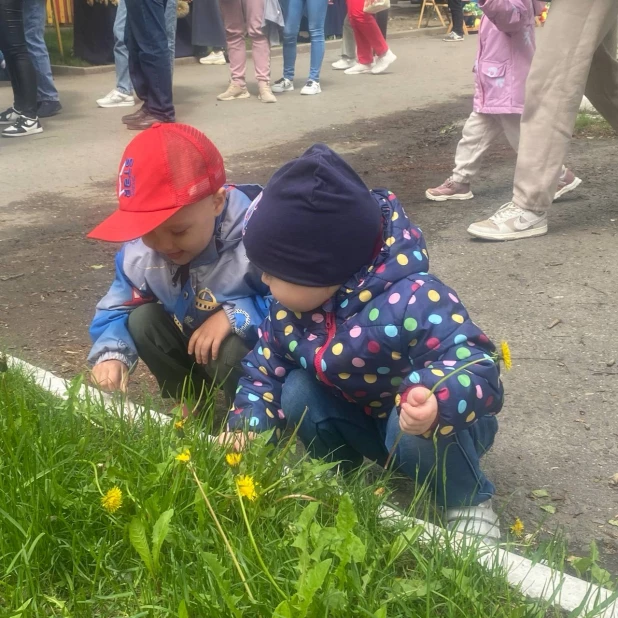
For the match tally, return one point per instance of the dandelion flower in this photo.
(180, 424)
(506, 355)
(185, 456)
(112, 500)
(246, 487)
(233, 459)
(518, 528)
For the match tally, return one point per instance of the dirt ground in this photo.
(552, 298)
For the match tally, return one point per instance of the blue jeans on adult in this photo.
(340, 431)
(35, 18)
(121, 53)
(150, 62)
(316, 13)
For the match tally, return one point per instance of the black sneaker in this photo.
(9, 116)
(23, 126)
(46, 109)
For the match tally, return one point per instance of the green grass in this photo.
(310, 545)
(590, 125)
(51, 40)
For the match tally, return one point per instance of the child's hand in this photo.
(110, 375)
(206, 341)
(237, 441)
(419, 413)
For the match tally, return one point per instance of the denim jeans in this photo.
(35, 18)
(121, 53)
(18, 61)
(316, 13)
(340, 431)
(150, 61)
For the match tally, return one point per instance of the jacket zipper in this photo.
(331, 327)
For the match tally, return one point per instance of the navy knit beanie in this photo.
(316, 223)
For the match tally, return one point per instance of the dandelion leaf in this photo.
(183, 612)
(283, 610)
(540, 493)
(159, 534)
(137, 536)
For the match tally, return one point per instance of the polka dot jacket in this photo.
(390, 328)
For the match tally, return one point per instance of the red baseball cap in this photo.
(163, 169)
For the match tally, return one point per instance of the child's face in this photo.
(299, 298)
(185, 235)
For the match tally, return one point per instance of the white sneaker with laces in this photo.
(282, 85)
(383, 62)
(510, 223)
(214, 58)
(311, 87)
(343, 63)
(9, 116)
(115, 98)
(453, 37)
(23, 127)
(475, 521)
(358, 68)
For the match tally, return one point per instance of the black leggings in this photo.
(456, 8)
(18, 62)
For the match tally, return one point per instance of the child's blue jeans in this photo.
(337, 430)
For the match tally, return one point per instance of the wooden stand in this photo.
(435, 6)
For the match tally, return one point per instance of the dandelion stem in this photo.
(271, 579)
(222, 533)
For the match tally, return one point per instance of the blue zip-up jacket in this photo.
(390, 328)
(221, 276)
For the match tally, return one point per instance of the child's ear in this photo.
(219, 201)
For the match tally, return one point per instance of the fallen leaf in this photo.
(613, 481)
(613, 522)
(97, 266)
(555, 323)
(549, 508)
(540, 493)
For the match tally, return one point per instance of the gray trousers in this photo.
(576, 55)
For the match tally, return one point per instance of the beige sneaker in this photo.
(510, 223)
(234, 91)
(266, 94)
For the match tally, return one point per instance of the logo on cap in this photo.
(126, 179)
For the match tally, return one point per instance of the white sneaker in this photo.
(23, 127)
(343, 63)
(9, 116)
(383, 62)
(510, 223)
(282, 85)
(115, 98)
(311, 87)
(475, 521)
(453, 37)
(358, 68)
(213, 58)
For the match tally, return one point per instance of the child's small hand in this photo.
(206, 341)
(237, 441)
(419, 413)
(110, 375)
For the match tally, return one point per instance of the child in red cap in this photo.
(185, 298)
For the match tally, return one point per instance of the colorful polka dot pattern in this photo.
(390, 328)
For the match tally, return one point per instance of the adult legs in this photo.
(294, 14)
(457, 19)
(260, 46)
(234, 20)
(348, 44)
(369, 38)
(121, 53)
(171, 22)
(316, 10)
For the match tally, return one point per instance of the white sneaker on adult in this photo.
(453, 37)
(475, 521)
(383, 62)
(358, 68)
(9, 116)
(311, 87)
(214, 58)
(115, 98)
(23, 127)
(567, 182)
(510, 222)
(283, 85)
(343, 63)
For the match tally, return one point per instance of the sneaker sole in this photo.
(380, 71)
(211, 64)
(244, 95)
(568, 188)
(309, 94)
(365, 72)
(33, 132)
(110, 105)
(262, 100)
(537, 231)
(445, 198)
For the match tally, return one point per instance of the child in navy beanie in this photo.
(361, 334)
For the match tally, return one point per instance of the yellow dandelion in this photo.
(185, 456)
(518, 528)
(246, 487)
(506, 355)
(180, 424)
(112, 500)
(233, 459)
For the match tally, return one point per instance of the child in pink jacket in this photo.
(505, 51)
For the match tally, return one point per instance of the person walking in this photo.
(21, 118)
(575, 56)
(316, 14)
(348, 44)
(122, 94)
(457, 21)
(240, 17)
(35, 17)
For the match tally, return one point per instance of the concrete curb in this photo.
(303, 48)
(535, 581)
